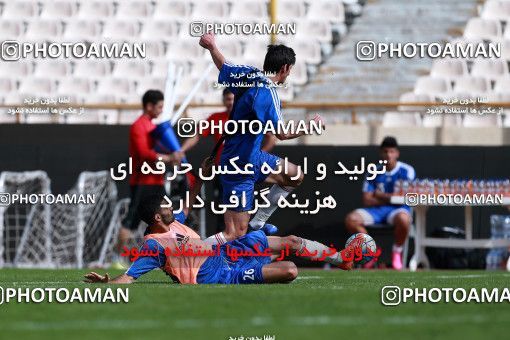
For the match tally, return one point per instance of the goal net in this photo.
(25, 231)
(63, 234)
(78, 230)
(108, 252)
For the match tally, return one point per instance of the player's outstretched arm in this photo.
(208, 42)
(285, 136)
(96, 278)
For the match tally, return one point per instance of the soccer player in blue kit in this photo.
(376, 199)
(166, 234)
(257, 101)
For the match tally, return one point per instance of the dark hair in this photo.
(149, 207)
(226, 92)
(152, 97)
(277, 56)
(389, 142)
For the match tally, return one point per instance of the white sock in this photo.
(263, 214)
(397, 249)
(314, 246)
(218, 238)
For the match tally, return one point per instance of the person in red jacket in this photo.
(141, 149)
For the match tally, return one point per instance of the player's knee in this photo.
(294, 242)
(290, 271)
(352, 222)
(402, 220)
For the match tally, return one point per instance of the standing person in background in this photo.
(141, 149)
(216, 119)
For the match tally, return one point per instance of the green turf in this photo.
(319, 305)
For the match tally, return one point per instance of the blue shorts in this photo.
(246, 269)
(381, 214)
(245, 184)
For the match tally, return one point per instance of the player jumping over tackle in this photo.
(166, 232)
(258, 100)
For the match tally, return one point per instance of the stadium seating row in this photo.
(120, 29)
(175, 9)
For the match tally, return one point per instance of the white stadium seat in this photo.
(314, 29)
(10, 29)
(20, 9)
(505, 48)
(496, 10)
(464, 42)
(231, 48)
(207, 10)
(37, 86)
(490, 68)
(502, 85)
(172, 10)
(449, 68)
(507, 33)
(20, 68)
(43, 30)
(184, 49)
(7, 85)
(472, 86)
(289, 10)
(52, 68)
(432, 86)
(91, 68)
(58, 9)
(162, 29)
(76, 86)
(331, 10)
(306, 49)
(120, 29)
(478, 28)
(121, 87)
(82, 30)
(154, 49)
(96, 9)
(249, 10)
(131, 68)
(133, 9)
(150, 83)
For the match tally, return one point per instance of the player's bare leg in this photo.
(298, 245)
(402, 223)
(354, 223)
(279, 272)
(236, 225)
(283, 184)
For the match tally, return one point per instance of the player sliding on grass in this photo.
(164, 231)
(256, 99)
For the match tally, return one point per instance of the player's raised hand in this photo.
(207, 41)
(318, 119)
(96, 278)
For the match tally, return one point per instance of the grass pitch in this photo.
(318, 305)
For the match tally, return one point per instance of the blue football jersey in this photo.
(386, 182)
(258, 101)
